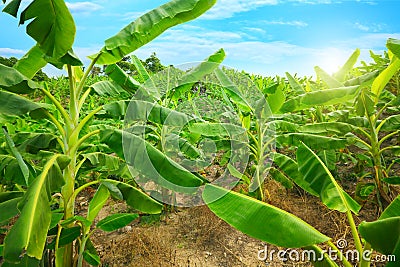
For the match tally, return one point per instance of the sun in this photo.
(332, 60)
(331, 64)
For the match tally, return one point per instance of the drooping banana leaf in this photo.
(384, 234)
(109, 88)
(321, 97)
(290, 168)
(31, 62)
(384, 77)
(149, 26)
(8, 204)
(146, 111)
(149, 161)
(296, 86)
(232, 91)
(338, 128)
(28, 235)
(347, 67)
(321, 181)
(13, 81)
(134, 197)
(14, 151)
(196, 74)
(312, 140)
(12, 104)
(51, 25)
(328, 79)
(261, 220)
(122, 79)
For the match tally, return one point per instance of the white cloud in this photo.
(296, 23)
(255, 30)
(227, 8)
(373, 27)
(83, 7)
(10, 51)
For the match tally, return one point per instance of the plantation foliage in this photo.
(144, 134)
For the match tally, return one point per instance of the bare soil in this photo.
(196, 237)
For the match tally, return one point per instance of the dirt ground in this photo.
(195, 237)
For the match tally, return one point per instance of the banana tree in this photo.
(52, 27)
(275, 226)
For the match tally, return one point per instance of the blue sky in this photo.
(265, 37)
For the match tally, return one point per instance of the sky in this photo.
(267, 37)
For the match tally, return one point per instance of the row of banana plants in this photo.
(162, 131)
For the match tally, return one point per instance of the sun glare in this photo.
(332, 63)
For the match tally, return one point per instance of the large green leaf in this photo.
(394, 46)
(12, 7)
(321, 181)
(328, 79)
(12, 104)
(116, 221)
(393, 210)
(141, 70)
(363, 79)
(30, 231)
(232, 91)
(8, 204)
(347, 67)
(122, 79)
(51, 25)
(68, 235)
(321, 97)
(146, 111)
(312, 140)
(152, 163)
(261, 220)
(290, 168)
(108, 88)
(12, 80)
(14, 151)
(276, 100)
(90, 254)
(134, 197)
(384, 77)
(296, 86)
(216, 129)
(102, 162)
(116, 109)
(10, 170)
(147, 160)
(391, 123)
(197, 73)
(26, 261)
(31, 62)
(282, 126)
(337, 128)
(97, 202)
(384, 236)
(149, 26)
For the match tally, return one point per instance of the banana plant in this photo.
(51, 25)
(278, 227)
